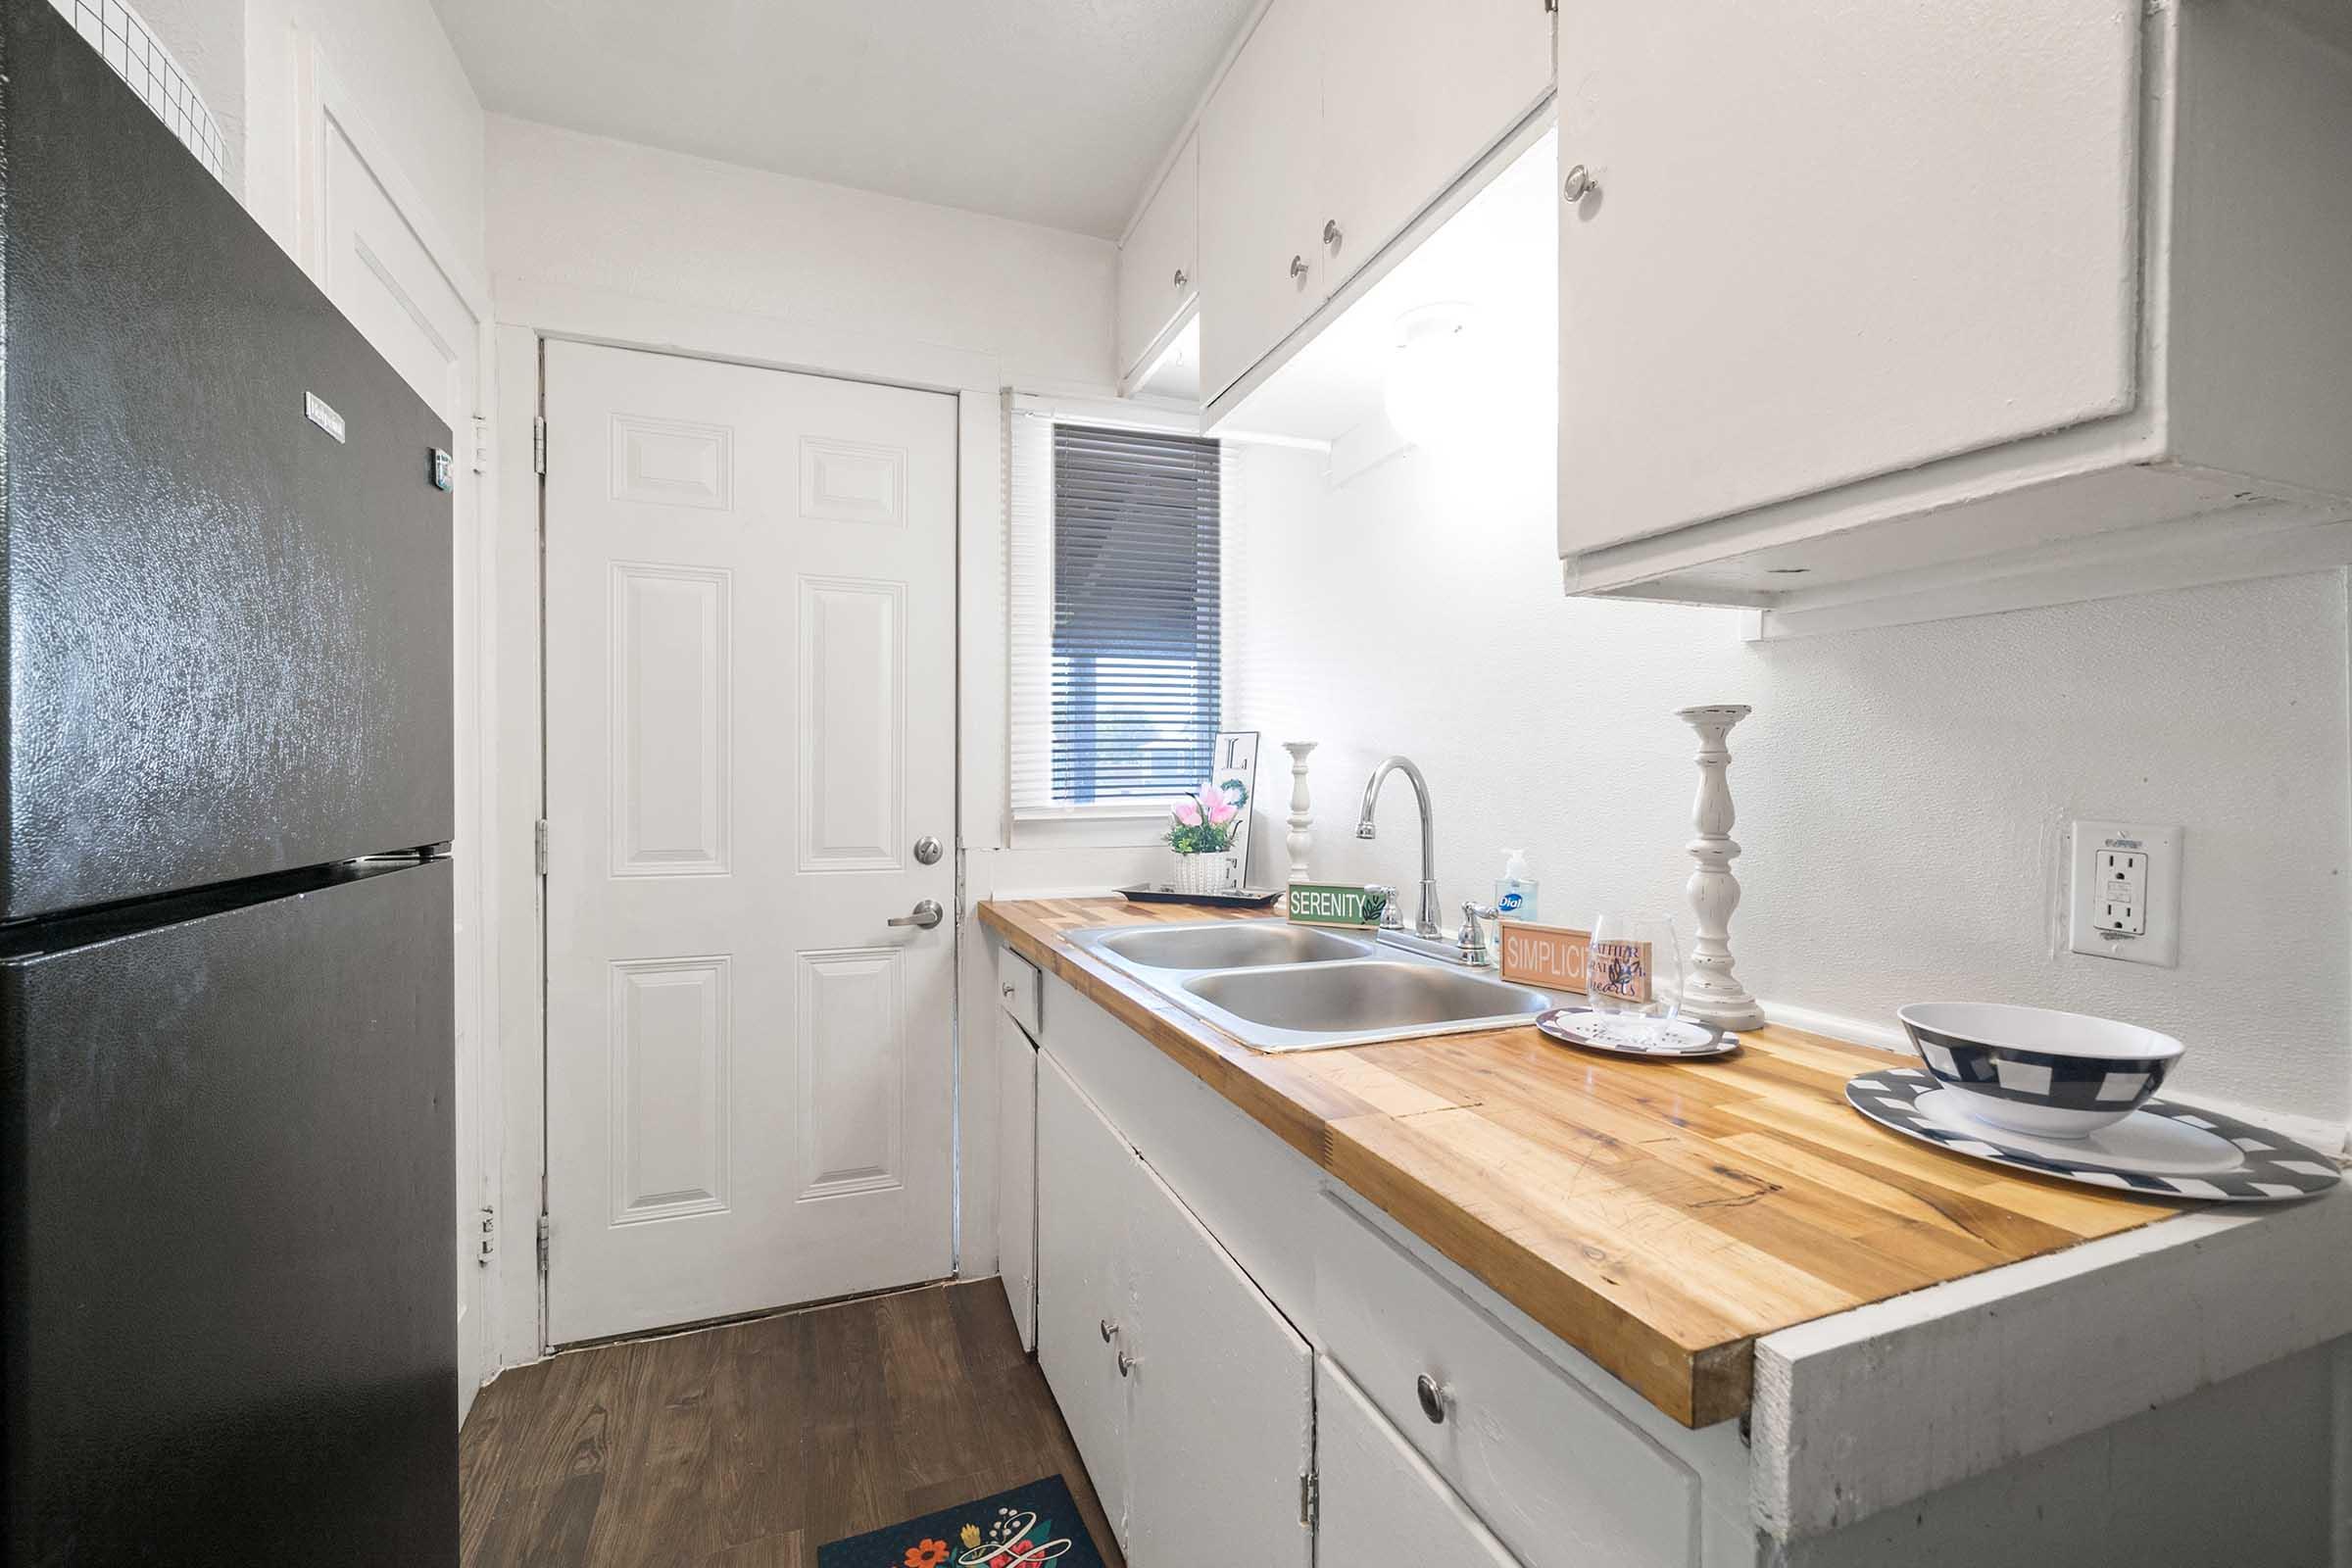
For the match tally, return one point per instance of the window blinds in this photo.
(1115, 599)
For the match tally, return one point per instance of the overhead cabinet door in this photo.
(1159, 265)
(1260, 271)
(1835, 241)
(1414, 94)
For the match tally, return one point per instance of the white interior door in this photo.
(386, 280)
(750, 727)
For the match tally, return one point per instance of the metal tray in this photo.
(1165, 892)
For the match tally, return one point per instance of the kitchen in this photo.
(1963, 396)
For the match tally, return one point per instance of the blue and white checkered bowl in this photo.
(2036, 1070)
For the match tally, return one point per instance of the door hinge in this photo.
(482, 445)
(1310, 1501)
(486, 1245)
(543, 1244)
(539, 846)
(539, 444)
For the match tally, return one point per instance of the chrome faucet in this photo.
(1427, 925)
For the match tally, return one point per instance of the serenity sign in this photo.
(1333, 904)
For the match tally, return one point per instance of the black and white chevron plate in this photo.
(2272, 1167)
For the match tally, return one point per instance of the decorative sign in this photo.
(1619, 969)
(1333, 904)
(1233, 768)
(1549, 955)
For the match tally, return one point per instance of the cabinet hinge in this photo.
(482, 445)
(1552, 7)
(539, 846)
(539, 444)
(1310, 1501)
(486, 1245)
(543, 1244)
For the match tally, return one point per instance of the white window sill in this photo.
(1098, 828)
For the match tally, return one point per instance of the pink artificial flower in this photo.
(1187, 813)
(1214, 804)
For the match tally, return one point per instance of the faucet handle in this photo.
(1470, 943)
(1391, 917)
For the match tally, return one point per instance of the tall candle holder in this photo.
(1711, 993)
(1298, 839)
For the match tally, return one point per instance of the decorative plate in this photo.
(2162, 1150)
(1165, 892)
(1681, 1040)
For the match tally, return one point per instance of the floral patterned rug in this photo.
(1027, 1525)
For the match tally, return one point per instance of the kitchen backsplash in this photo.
(1901, 793)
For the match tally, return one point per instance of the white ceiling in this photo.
(1054, 112)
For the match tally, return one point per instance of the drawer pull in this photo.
(1126, 1363)
(1110, 1331)
(1433, 1399)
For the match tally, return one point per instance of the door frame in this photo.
(324, 107)
(529, 314)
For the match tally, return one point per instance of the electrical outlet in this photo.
(2124, 892)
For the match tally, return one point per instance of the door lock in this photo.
(927, 851)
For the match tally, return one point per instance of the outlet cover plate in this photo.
(2154, 854)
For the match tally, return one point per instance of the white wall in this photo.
(1899, 792)
(208, 39)
(586, 213)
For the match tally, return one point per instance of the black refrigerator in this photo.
(227, 1229)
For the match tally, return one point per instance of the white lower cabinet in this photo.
(1379, 1501)
(1087, 1182)
(1190, 1398)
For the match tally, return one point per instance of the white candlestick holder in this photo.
(1298, 839)
(1711, 993)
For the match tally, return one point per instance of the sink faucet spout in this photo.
(1366, 828)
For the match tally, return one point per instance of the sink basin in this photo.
(1224, 945)
(1313, 1006)
(1280, 987)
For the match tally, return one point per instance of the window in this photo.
(1116, 606)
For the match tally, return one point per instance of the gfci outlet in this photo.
(2125, 899)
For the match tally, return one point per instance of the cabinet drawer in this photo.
(1561, 1478)
(1018, 988)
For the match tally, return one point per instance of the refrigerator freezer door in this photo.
(228, 632)
(225, 1235)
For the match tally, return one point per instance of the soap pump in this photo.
(1516, 891)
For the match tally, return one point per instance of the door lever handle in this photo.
(924, 915)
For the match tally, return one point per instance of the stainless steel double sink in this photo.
(1281, 987)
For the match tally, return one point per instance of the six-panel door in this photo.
(1823, 243)
(750, 727)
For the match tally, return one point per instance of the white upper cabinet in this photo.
(1159, 265)
(1260, 271)
(1339, 122)
(1414, 94)
(1874, 304)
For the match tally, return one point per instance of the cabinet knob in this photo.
(1126, 1363)
(1011, 988)
(1298, 267)
(1181, 279)
(1580, 185)
(1330, 231)
(1109, 1329)
(1433, 1399)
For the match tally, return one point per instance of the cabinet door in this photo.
(1414, 94)
(1087, 1186)
(1017, 1173)
(1159, 265)
(1224, 1405)
(1260, 260)
(1835, 241)
(1380, 1502)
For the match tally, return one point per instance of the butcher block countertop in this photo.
(1657, 1216)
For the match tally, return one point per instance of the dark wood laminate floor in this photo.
(750, 1446)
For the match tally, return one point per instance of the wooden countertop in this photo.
(1657, 1216)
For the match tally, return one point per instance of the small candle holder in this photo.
(1711, 993)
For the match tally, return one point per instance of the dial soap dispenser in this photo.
(1515, 890)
